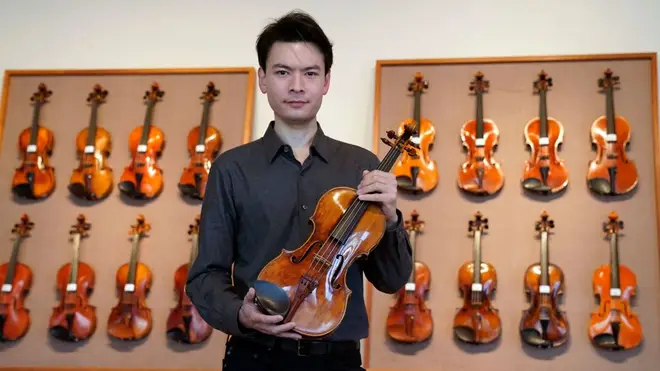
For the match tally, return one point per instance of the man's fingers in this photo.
(266, 319)
(290, 335)
(249, 297)
(283, 328)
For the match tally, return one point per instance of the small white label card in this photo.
(129, 287)
(615, 292)
(89, 149)
(31, 148)
(71, 287)
(142, 148)
(200, 148)
(410, 286)
(544, 141)
(6, 287)
(544, 289)
(479, 142)
(477, 287)
(610, 137)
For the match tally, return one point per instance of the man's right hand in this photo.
(250, 317)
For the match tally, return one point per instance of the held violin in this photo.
(308, 285)
(93, 178)
(614, 326)
(418, 173)
(480, 174)
(16, 283)
(35, 178)
(544, 171)
(131, 318)
(477, 321)
(543, 325)
(143, 177)
(410, 320)
(184, 324)
(74, 319)
(612, 172)
(204, 142)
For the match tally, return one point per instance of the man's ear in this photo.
(326, 86)
(262, 80)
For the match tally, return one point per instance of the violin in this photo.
(184, 324)
(410, 320)
(308, 285)
(74, 319)
(614, 326)
(611, 172)
(544, 171)
(480, 174)
(418, 173)
(131, 318)
(35, 178)
(204, 143)
(93, 178)
(16, 283)
(477, 321)
(543, 325)
(143, 177)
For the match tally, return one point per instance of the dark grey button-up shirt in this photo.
(258, 200)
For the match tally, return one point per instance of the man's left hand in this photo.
(380, 187)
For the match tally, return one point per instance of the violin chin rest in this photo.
(270, 298)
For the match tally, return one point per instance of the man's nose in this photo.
(297, 82)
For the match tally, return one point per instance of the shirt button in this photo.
(286, 148)
(304, 207)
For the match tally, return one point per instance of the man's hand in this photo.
(380, 187)
(252, 318)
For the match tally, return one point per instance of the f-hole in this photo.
(296, 260)
(335, 274)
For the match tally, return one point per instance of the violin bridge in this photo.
(318, 258)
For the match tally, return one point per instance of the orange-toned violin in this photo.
(35, 178)
(544, 171)
(308, 285)
(611, 172)
(184, 324)
(93, 178)
(143, 178)
(477, 321)
(614, 326)
(204, 142)
(410, 320)
(74, 319)
(543, 325)
(480, 174)
(418, 173)
(16, 281)
(131, 318)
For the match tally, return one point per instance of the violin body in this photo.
(194, 177)
(481, 323)
(35, 178)
(543, 324)
(184, 324)
(410, 320)
(480, 174)
(544, 171)
(15, 318)
(143, 177)
(93, 179)
(74, 319)
(131, 318)
(614, 326)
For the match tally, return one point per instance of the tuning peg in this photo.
(411, 152)
(392, 135)
(389, 143)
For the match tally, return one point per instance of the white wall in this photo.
(166, 33)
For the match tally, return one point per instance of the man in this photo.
(259, 199)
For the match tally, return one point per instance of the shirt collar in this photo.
(274, 145)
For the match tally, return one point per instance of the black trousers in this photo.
(246, 355)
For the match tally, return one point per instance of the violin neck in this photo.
(545, 281)
(543, 114)
(34, 129)
(417, 113)
(413, 236)
(609, 106)
(73, 272)
(205, 122)
(193, 249)
(476, 258)
(614, 262)
(147, 122)
(91, 131)
(11, 270)
(133, 263)
(480, 116)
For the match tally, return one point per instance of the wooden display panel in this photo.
(108, 246)
(576, 244)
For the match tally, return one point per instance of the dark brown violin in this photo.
(93, 179)
(543, 325)
(477, 321)
(35, 178)
(74, 319)
(418, 173)
(480, 174)
(16, 283)
(611, 172)
(308, 285)
(131, 318)
(204, 142)
(614, 326)
(143, 178)
(410, 320)
(544, 171)
(184, 324)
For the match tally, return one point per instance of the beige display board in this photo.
(511, 244)
(108, 245)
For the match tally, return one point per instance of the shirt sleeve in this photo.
(209, 282)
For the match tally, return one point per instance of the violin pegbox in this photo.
(140, 228)
(154, 94)
(81, 227)
(609, 81)
(478, 85)
(477, 224)
(543, 83)
(210, 93)
(42, 94)
(414, 223)
(194, 228)
(545, 224)
(613, 225)
(418, 84)
(97, 95)
(23, 228)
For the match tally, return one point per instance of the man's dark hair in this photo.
(296, 26)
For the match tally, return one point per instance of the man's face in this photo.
(295, 82)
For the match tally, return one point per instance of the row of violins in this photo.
(74, 318)
(613, 326)
(93, 178)
(610, 172)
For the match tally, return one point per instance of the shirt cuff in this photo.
(398, 224)
(234, 325)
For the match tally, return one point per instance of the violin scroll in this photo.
(42, 94)
(414, 224)
(154, 94)
(543, 83)
(210, 93)
(140, 228)
(545, 224)
(613, 225)
(478, 223)
(98, 94)
(609, 81)
(478, 85)
(408, 146)
(23, 228)
(81, 227)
